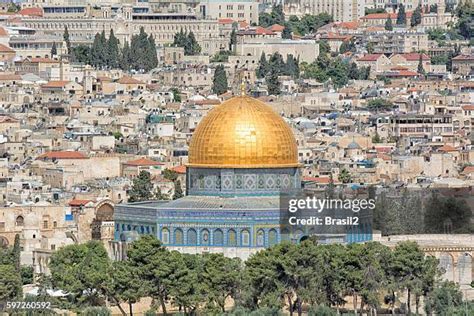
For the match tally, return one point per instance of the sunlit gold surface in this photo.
(243, 133)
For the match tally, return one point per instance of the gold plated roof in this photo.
(243, 133)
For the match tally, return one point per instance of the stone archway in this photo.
(104, 213)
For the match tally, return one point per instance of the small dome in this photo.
(243, 133)
(353, 145)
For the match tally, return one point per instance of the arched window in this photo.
(260, 238)
(192, 237)
(465, 269)
(165, 235)
(205, 237)
(272, 237)
(231, 238)
(218, 237)
(178, 236)
(20, 221)
(245, 236)
(142, 229)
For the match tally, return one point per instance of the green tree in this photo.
(99, 50)
(379, 104)
(421, 69)
(26, 273)
(176, 94)
(13, 7)
(82, 53)
(344, 176)
(219, 82)
(443, 299)
(96, 311)
(126, 58)
(170, 174)
(273, 83)
(447, 215)
(178, 191)
(84, 272)
(151, 54)
(54, 50)
(233, 38)
(416, 17)
(16, 252)
(10, 283)
(220, 277)
(159, 195)
(465, 24)
(263, 67)
(286, 33)
(67, 40)
(347, 46)
(370, 47)
(113, 52)
(141, 188)
(189, 42)
(401, 15)
(389, 24)
(151, 259)
(376, 138)
(125, 284)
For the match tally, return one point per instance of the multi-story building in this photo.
(340, 10)
(241, 10)
(397, 41)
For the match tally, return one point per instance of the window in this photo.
(232, 238)
(45, 224)
(245, 235)
(204, 237)
(260, 238)
(165, 236)
(192, 237)
(240, 7)
(19, 221)
(55, 224)
(218, 237)
(272, 237)
(2, 226)
(178, 236)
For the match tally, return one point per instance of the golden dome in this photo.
(243, 133)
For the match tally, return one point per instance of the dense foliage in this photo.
(188, 42)
(106, 53)
(310, 276)
(219, 81)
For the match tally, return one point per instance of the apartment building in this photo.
(340, 10)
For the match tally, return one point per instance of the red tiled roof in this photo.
(6, 49)
(276, 28)
(405, 73)
(464, 57)
(468, 170)
(469, 107)
(370, 57)
(413, 56)
(129, 80)
(3, 32)
(78, 202)
(143, 162)
(44, 60)
(447, 148)
(179, 169)
(7, 119)
(31, 11)
(225, 21)
(325, 180)
(377, 16)
(62, 155)
(55, 84)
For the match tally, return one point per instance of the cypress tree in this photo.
(273, 84)
(233, 40)
(421, 69)
(192, 47)
(125, 57)
(54, 50)
(178, 191)
(67, 40)
(286, 32)
(416, 17)
(219, 82)
(16, 252)
(401, 16)
(262, 67)
(152, 57)
(112, 51)
(389, 24)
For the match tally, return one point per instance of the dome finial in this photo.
(242, 87)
